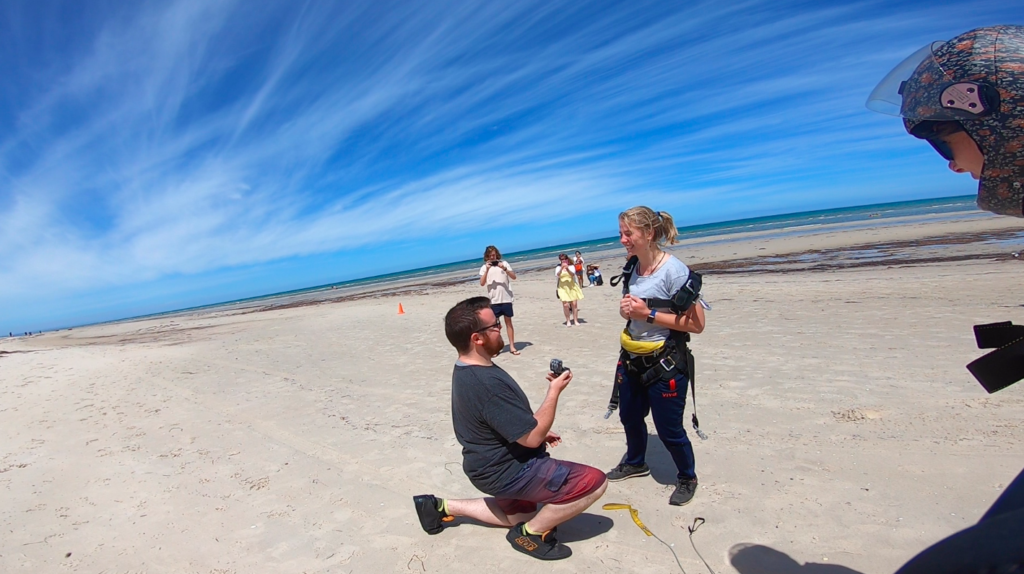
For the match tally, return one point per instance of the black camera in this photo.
(494, 263)
(557, 367)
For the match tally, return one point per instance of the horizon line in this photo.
(394, 274)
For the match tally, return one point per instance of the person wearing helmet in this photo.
(965, 97)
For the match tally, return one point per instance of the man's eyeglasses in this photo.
(942, 147)
(496, 325)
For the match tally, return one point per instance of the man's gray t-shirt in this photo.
(662, 284)
(490, 412)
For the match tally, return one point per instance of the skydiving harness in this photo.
(1004, 366)
(674, 355)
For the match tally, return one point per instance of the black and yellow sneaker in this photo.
(431, 516)
(540, 546)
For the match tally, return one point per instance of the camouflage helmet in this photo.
(977, 81)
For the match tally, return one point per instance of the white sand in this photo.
(844, 429)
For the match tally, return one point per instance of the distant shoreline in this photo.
(605, 250)
(923, 240)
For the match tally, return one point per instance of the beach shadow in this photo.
(757, 559)
(519, 347)
(663, 468)
(582, 527)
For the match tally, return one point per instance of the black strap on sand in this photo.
(697, 523)
(1004, 366)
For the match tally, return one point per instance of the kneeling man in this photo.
(504, 442)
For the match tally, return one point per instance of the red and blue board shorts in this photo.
(548, 481)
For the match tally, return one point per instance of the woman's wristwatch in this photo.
(650, 318)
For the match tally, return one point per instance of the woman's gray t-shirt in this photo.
(662, 284)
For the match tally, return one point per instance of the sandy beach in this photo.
(843, 428)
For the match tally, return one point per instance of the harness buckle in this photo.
(667, 367)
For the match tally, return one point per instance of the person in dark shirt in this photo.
(965, 97)
(504, 445)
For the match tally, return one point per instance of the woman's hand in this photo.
(625, 306)
(634, 308)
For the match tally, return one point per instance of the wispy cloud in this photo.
(192, 136)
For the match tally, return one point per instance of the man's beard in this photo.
(494, 346)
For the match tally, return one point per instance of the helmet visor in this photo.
(921, 88)
(887, 97)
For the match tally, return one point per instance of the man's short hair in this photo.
(462, 321)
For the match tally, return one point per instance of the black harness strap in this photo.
(627, 272)
(1004, 366)
(691, 369)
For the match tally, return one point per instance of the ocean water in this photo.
(862, 216)
(776, 225)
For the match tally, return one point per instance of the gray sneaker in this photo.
(685, 489)
(624, 471)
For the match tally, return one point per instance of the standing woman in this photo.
(495, 275)
(569, 293)
(578, 263)
(652, 340)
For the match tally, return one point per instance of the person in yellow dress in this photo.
(569, 292)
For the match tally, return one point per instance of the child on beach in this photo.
(578, 264)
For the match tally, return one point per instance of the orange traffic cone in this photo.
(400, 310)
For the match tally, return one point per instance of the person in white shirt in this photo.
(495, 275)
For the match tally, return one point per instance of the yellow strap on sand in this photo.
(632, 512)
(639, 347)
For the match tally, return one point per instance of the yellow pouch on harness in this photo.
(639, 347)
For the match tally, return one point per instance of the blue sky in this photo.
(160, 155)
